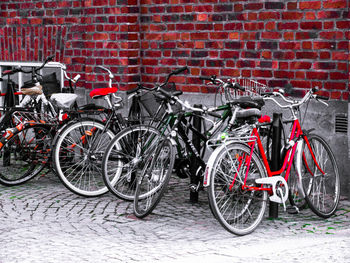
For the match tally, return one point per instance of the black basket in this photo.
(150, 106)
(49, 83)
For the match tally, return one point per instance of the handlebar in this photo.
(34, 70)
(292, 103)
(174, 72)
(229, 84)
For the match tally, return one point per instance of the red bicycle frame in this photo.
(288, 159)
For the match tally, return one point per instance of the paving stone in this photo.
(41, 221)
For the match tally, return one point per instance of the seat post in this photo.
(108, 101)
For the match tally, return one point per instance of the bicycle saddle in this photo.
(245, 113)
(98, 93)
(249, 102)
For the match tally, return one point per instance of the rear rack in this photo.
(32, 118)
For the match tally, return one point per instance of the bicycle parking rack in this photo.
(194, 180)
(275, 156)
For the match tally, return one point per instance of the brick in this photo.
(305, 35)
(332, 35)
(199, 36)
(229, 54)
(334, 4)
(335, 85)
(328, 14)
(269, 15)
(251, 54)
(274, 5)
(223, 8)
(292, 15)
(218, 35)
(317, 75)
(214, 63)
(310, 5)
(253, 6)
(271, 35)
(343, 24)
(253, 26)
(288, 26)
(284, 55)
(187, 27)
(289, 45)
(246, 64)
(268, 45)
(324, 45)
(300, 65)
(306, 55)
(262, 73)
(325, 65)
(233, 26)
(311, 25)
(339, 76)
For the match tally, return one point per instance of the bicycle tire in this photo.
(124, 159)
(24, 155)
(322, 191)
(77, 157)
(294, 195)
(246, 208)
(154, 179)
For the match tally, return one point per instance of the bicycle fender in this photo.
(299, 163)
(210, 164)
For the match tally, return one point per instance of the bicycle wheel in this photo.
(77, 157)
(321, 186)
(124, 159)
(24, 155)
(154, 179)
(294, 193)
(239, 211)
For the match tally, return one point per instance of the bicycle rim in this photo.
(322, 190)
(238, 211)
(78, 157)
(124, 159)
(24, 155)
(154, 179)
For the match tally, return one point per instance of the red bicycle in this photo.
(240, 179)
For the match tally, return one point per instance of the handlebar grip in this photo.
(76, 78)
(266, 93)
(205, 78)
(322, 97)
(236, 85)
(133, 90)
(315, 89)
(179, 70)
(50, 58)
(11, 71)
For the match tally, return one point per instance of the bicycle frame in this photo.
(296, 144)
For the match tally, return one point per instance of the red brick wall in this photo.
(303, 42)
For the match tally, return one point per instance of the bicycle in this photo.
(239, 178)
(79, 146)
(160, 160)
(33, 120)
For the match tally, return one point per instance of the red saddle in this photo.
(95, 93)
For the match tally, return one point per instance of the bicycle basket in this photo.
(149, 106)
(49, 83)
(252, 88)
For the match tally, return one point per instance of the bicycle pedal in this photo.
(293, 210)
(194, 188)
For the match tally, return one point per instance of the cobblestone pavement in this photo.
(41, 221)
